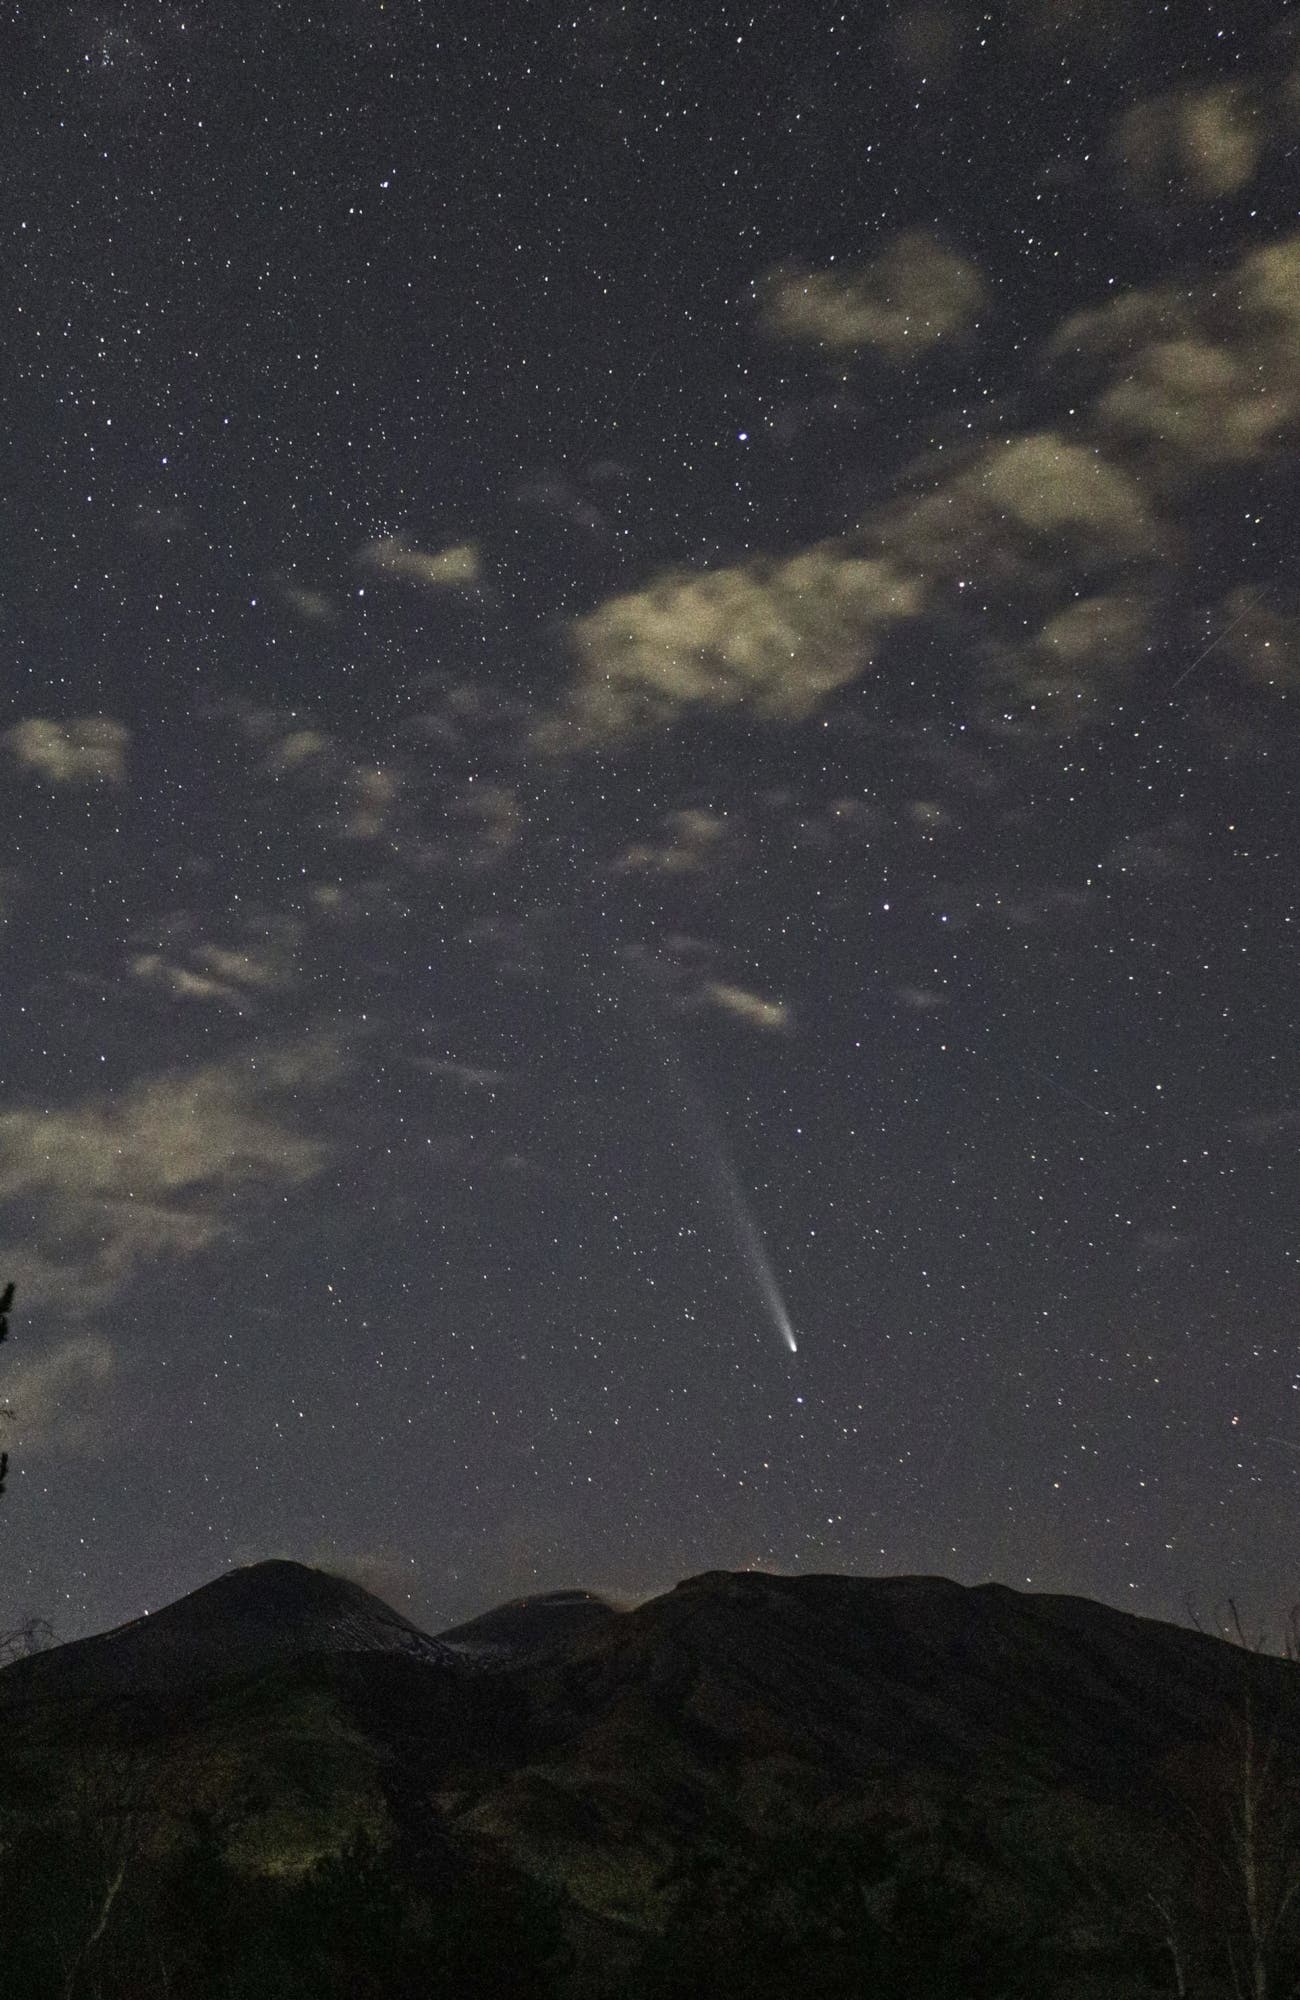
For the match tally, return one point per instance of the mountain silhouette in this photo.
(528, 1626)
(836, 1781)
(243, 1622)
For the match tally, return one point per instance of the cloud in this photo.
(1208, 141)
(1158, 1249)
(925, 42)
(58, 1399)
(776, 637)
(1157, 853)
(1266, 1128)
(288, 738)
(299, 751)
(457, 567)
(182, 981)
(371, 795)
(920, 999)
(1033, 909)
(914, 295)
(693, 842)
(161, 526)
(383, 1572)
(926, 817)
(560, 500)
(753, 1010)
(1036, 508)
(89, 749)
(466, 1076)
(1197, 380)
(1101, 22)
(1264, 640)
(230, 975)
(158, 1170)
(1066, 674)
(312, 606)
(494, 818)
(1204, 143)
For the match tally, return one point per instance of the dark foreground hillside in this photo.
(753, 1785)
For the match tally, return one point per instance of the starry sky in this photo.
(650, 667)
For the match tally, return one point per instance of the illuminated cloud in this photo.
(183, 981)
(1268, 1128)
(693, 842)
(289, 739)
(312, 606)
(1264, 640)
(914, 295)
(89, 749)
(360, 902)
(1204, 142)
(1060, 679)
(920, 999)
(775, 637)
(384, 1573)
(1202, 379)
(466, 1076)
(1031, 508)
(161, 526)
(1052, 908)
(1207, 142)
(927, 817)
(371, 794)
(229, 975)
(1157, 853)
(493, 818)
(1101, 22)
(560, 500)
(925, 42)
(299, 750)
(59, 1398)
(458, 567)
(157, 1171)
(753, 1010)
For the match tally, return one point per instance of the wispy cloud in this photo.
(231, 975)
(456, 567)
(158, 1170)
(914, 295)
(60, 1398)
(87, 749)
(1068, 672)
(749, 1009)
(694, 841)
(1205, 142)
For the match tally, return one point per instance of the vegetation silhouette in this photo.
(6, 1302)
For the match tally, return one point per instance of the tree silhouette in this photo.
(6, 1300)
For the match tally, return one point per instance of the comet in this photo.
(711, 1154)
(732, 1201)
(749, 1239)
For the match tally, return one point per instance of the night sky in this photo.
(650, 672)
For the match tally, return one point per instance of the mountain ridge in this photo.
(1003, 1763)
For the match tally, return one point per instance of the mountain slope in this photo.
(247, 1621)
(738, 1709)
(835, 1782)
(527, 1627)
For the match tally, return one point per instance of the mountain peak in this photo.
(245, 1621)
